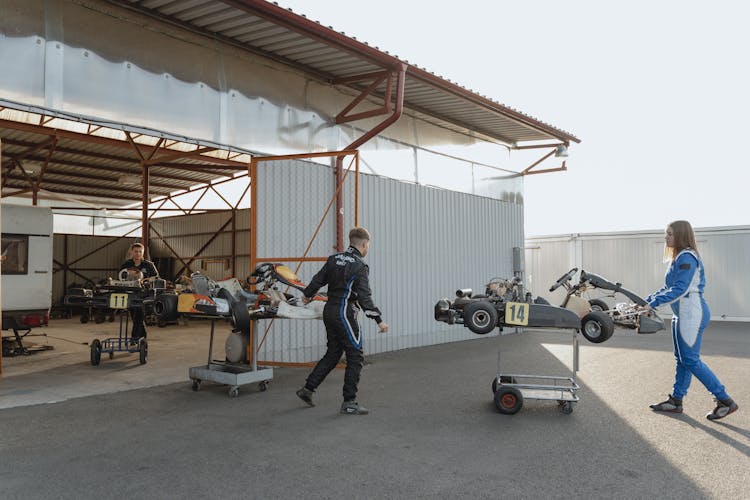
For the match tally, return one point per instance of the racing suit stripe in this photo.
(357, 341)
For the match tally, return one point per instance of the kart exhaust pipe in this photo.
(464, 293)
(444, 313)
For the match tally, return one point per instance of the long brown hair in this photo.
(684, 237)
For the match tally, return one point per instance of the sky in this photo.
(657, 91)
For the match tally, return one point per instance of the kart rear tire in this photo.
(480, 317)
(597, 327)
(598, 305)
(239, 314)
(508, 400)
(165, 307)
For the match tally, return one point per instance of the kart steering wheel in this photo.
(130, 274)
(565, 277)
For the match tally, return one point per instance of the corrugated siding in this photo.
(187, 235)
(104, 262)
(544, 264)
(635, 260)
(292, 197)
(426, 243)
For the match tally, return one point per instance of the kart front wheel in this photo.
(597, 327)
(480, 317)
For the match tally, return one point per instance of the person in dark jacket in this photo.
(347, 278)
(138, 268)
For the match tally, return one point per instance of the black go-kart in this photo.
(503, 304)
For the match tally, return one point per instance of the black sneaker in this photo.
(723, 408)
(353, 408)
(306, 395)
(671, 405)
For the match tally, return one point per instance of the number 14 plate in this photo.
(516, 313)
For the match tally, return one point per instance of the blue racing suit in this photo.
(683, 291)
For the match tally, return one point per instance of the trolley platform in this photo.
(231, 374)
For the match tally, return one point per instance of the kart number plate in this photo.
(118, 301)
(516, 313)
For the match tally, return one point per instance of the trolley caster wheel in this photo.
(508, 400)
(84, 319)
(234, 391)
(96, 352)
(111, 355)
(566, 407)
(142, 351)
(196, 385)
(111, 318)
(263, 386)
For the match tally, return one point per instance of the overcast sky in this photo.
(656, 90)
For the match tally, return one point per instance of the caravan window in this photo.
(15, 254)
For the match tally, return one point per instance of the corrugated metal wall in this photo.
(89, 258)
(426, 243)
(635, 260)
(187, 235)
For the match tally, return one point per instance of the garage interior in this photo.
(102, 170)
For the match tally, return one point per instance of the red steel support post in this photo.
(356, 144)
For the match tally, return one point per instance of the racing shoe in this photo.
(723, 408)
(671, 405)
(306, 395)
(353, 408)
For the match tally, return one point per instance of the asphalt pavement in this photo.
(433, 430)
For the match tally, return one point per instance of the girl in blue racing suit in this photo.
(683, 291)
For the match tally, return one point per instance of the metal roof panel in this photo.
(266, 28)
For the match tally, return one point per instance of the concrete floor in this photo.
(125, 430)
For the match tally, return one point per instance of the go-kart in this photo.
(502, 304)
(624, 314)
(95, 302)
(229, 298)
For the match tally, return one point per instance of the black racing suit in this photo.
(149, 271)
(348, 291)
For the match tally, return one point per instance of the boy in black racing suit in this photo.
(348, 291)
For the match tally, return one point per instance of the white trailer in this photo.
(26, 266)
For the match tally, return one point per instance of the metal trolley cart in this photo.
(510, 390)
(231, 374)
(120, 302)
